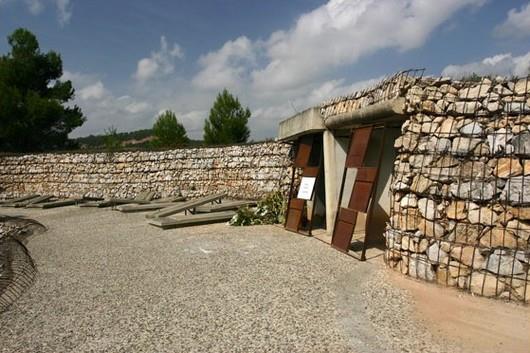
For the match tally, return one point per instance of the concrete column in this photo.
(330, 179)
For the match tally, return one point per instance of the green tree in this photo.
(227, 122)
(111, 140)
(32, 115)
(168, 132)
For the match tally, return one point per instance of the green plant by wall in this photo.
(270, 210)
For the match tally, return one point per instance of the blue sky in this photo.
(130, 60)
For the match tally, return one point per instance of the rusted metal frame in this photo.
(372, 194)
(297, 164)
(350, 162)
(340, 219)
(291, 188)
(341, 192)
(369, 214)
(313, 196)
(286, 213)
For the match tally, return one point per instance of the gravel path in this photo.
(108, 282)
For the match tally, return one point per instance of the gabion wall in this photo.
(461, 187)
(243, 171)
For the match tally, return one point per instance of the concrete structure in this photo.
(451, 203)
(389, 111)
(307, 122)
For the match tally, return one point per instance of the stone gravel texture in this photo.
(108, 282)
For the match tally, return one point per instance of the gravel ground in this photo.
(108, 282)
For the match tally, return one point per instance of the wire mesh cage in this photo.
(17, 268)
(461, 187)
(391, 87)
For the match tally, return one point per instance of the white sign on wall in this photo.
(306, 188)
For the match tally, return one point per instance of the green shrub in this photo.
(112, 142)
(270, 210)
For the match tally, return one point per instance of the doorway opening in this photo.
(364, 199)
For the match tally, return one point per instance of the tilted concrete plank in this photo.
(18, 199)
(13, 202)
(168, 211)
(115, 202)
(145, 196)
(191, 220)
(169, 199)
(53, 204)
(112, 202)
(225, 206)
(34, 201)
(148, 207)
(90, 204)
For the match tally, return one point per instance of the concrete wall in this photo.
(244, 171)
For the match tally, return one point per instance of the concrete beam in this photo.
(330, 177)
(307, 122)
(382, 111)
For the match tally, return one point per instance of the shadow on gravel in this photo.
(17, 268)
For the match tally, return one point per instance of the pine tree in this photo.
(32, 115)
(168, 131)
(227, 122)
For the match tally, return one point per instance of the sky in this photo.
(131, 60)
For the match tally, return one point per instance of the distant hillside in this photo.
(133, 139)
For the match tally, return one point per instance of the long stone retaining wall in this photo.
(243, 171)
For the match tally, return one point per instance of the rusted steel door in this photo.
(362, 190)
(310, 168)
(303, 151)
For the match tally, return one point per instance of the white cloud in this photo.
(102, 108)
(341, 31)
(321, 41)
(517, 24)
(501, 64)
(137, 107)
(159, 63)
(289, 71)
(35, 6)
(79, 79)
(64, 11)
(226, 67)
(93, 91)
(266, 117)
